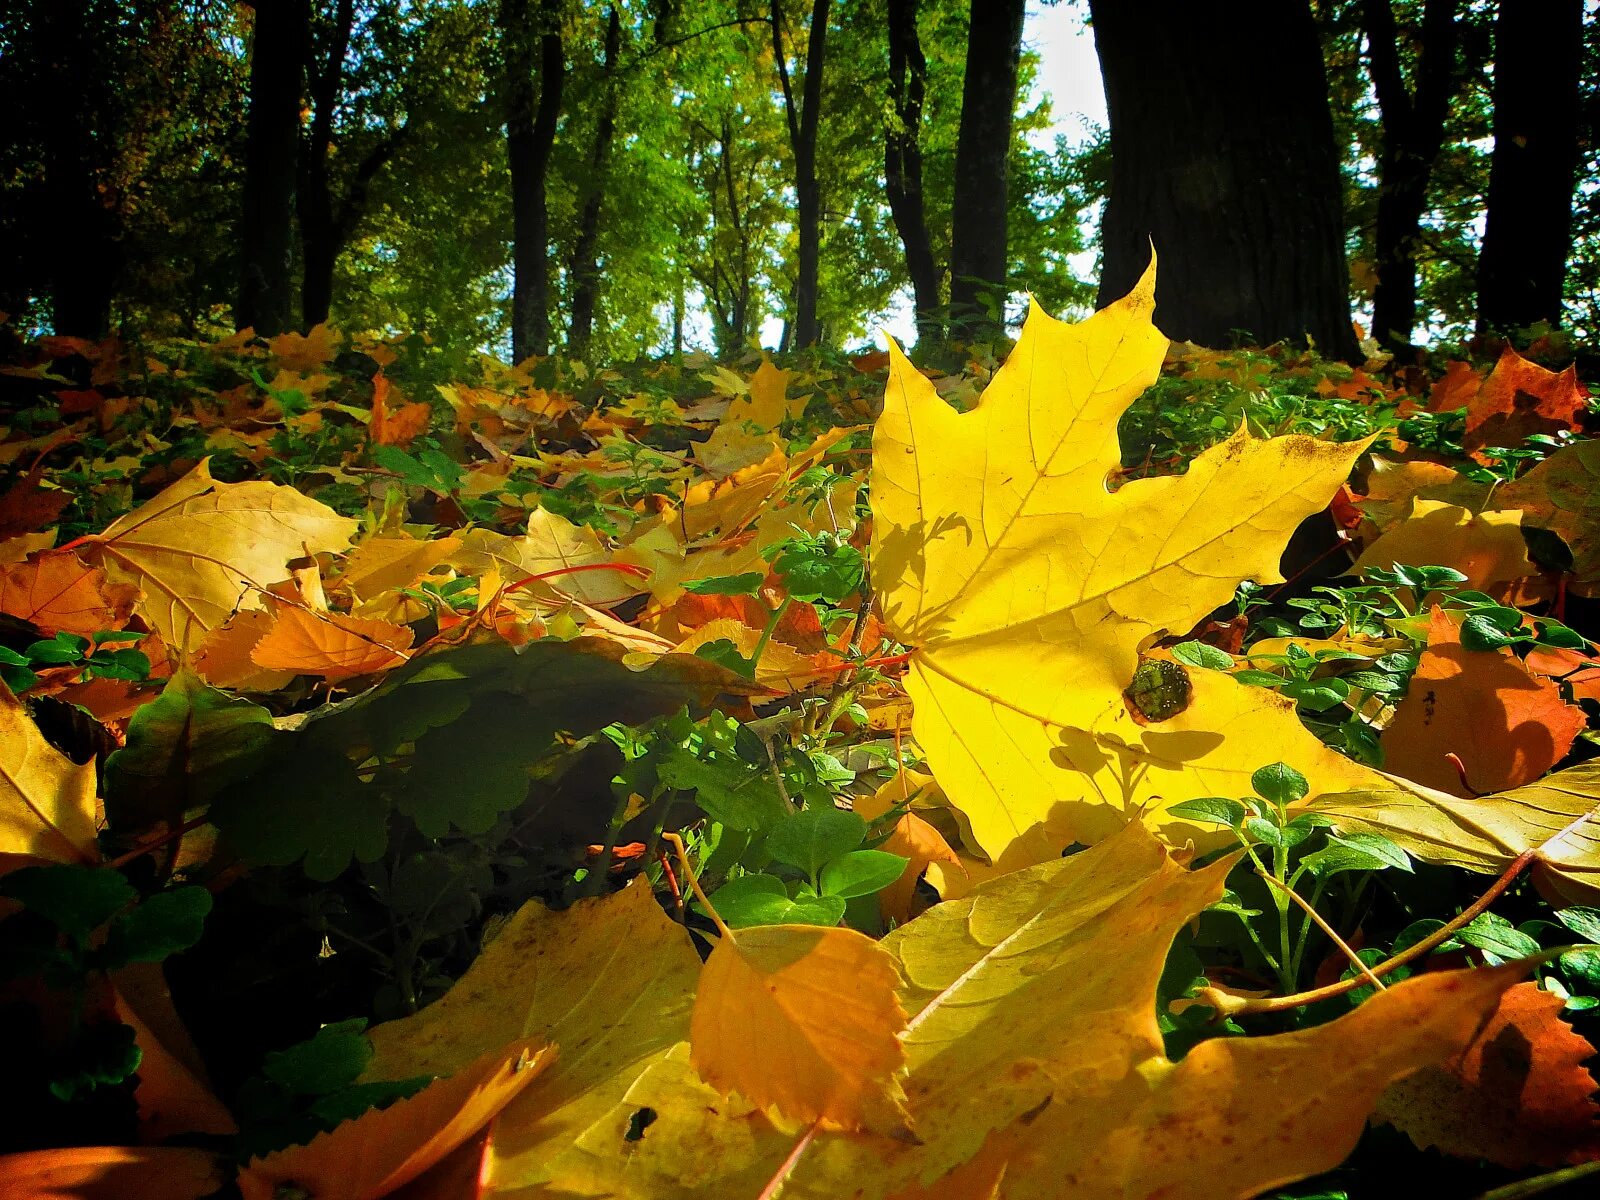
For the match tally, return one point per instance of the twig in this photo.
(694, 883)
(1230, 1006)
(1338, 941)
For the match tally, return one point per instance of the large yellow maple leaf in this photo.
(1026, 587)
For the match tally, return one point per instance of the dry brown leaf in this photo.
(58, 592)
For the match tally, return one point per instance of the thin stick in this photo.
(775, 1184)
(1338, 941)
(694, 884)
(1229, 1006)
(1541, 1183)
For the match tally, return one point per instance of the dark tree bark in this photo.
(530, 137)
(83, 265)
(1237, 186)
(803, 120)
(1537, 69)
(983, 146)
(272, 132)
(902, 168)
(584, 268)
(1413, 132)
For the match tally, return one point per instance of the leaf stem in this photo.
(694, 884)
(1338, 941)
(1230, 1006)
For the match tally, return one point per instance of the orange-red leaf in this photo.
(384, 1149)
(59, 592)
(1518, 1095)
(331, 645)
(1507, 726)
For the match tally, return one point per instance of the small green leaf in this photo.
(330, 1059)
(165, 924)
(1499, 940)
(763, 900)
(811, 838)
(861, 873)
(727, 585)
(1280, 783)
(1376, 846)
(1202, 654)
(1585, 922)
(77, 900)
(1264, 679)
(1218, 810)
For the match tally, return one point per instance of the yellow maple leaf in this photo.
(803, 1019)
(1487, 547)
(1026, 587)
(201, 549)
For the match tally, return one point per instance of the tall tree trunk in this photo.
(1413, 132)
(983, 149)
(82, 267)
(272, 132)
(1238, 187)
(803, 120)
(314, 195)
(902, 167)
(1537, 68)
(584, 267)
(530, 137)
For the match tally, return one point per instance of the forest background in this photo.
(633, 179)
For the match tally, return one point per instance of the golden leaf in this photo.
(803, 1019)
(1026, 587)
(46, 799)
(201, 549)
(331, 645)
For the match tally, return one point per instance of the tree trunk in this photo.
(314, 198)
(530, 137)
(81, 266)
(1238, 187)
(585, 268)
(1413, 132)
(983, 145)
(803, 120)
(902, 168)
(272, 131)
(1537, 67)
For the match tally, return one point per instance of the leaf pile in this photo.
(694, 779)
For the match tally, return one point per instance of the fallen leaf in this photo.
(1033, 1040)
(331, 645)
(913, 838)
(1487, 833)
(382, 1150)
(610, 981)
(1519, 1095)
(224, 656)
(304, 352)
(1025, 587)
(398, 427)
(1487, 547)
(110, 1173)
(1562, 494)
(58, 592)
(765, 404)
(46, 799)
(201, 549)
(1575, 669)
(1518, 398)
(1507, 726)
(572, 557)
(174, 1095)
(803, 1019)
